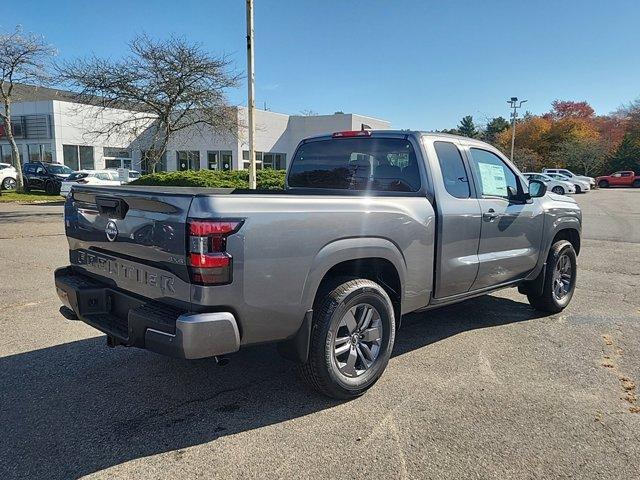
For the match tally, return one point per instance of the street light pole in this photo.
(513, 103)
(251, 94)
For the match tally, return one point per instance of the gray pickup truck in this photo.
(372, 225)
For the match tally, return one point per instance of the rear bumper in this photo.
(134, 321)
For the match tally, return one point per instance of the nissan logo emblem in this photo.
(111, 230)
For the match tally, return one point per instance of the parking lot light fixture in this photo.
(513, 103)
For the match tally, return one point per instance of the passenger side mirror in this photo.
(537, 189)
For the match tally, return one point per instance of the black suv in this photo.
(44, 176)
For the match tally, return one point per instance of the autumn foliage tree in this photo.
(569, 135)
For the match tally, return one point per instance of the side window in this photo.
(492, 174)
(626, 174)
(454, 174)
(39, 170)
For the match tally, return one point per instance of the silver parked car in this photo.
(371, 225)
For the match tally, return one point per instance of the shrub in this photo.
(266, 179)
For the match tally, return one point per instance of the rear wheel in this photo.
(351, 338)
(636, 183)
(603, 184)
(9, 183)
(558, 189)
(560, 279)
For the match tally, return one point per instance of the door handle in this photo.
(490, 215)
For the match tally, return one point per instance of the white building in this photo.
(50, 126)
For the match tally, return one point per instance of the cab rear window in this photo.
(379, 164)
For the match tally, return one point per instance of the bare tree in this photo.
(166, 86)
(24, 59)
(307, 112)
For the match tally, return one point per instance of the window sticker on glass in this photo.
(493, 179)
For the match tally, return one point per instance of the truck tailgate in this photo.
(133, 239)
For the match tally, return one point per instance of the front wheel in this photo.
(558, 189)
(351, 339)
(560, 279)
(51, 188)
(578, 189)
(636, 183)
(603, 184)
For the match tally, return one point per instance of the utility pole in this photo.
(252, 103)
(513, 103)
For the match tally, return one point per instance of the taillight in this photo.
(209, 262)
(352, 133)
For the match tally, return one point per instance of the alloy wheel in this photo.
(9, 184)
(358, 340)
(562, 277)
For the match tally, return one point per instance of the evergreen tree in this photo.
(467, 128)
(627, 155)
(495, 126)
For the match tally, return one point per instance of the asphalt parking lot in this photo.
(485, 389)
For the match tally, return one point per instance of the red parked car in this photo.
(619, 179)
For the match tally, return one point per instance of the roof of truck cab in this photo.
(406, 132)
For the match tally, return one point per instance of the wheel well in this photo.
(378, 270)
(571, 235)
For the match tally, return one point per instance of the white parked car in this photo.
(133, 174)
(582, 186)
(8, 175)
(556, 186)
(568, 173)
(89, 177)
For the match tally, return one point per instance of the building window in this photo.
(6, 154)
(213, 160)
(78, 157)
(276, 161)
(17, 127)
(39, 152)
(245, 160)
(70, 155)
(86, 158)
(188, 160)
(117, 157)
(145, 164)
(33, 152)
(226, 157)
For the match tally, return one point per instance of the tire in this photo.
(578, 189)
(25, 186)
(339, 314)
(9, 183)
(603, 184)
(51, 188)
(558, 190)
(556, 297)
(636, 184)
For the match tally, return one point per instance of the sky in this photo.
(419, 64)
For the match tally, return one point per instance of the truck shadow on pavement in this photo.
(78, 408)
